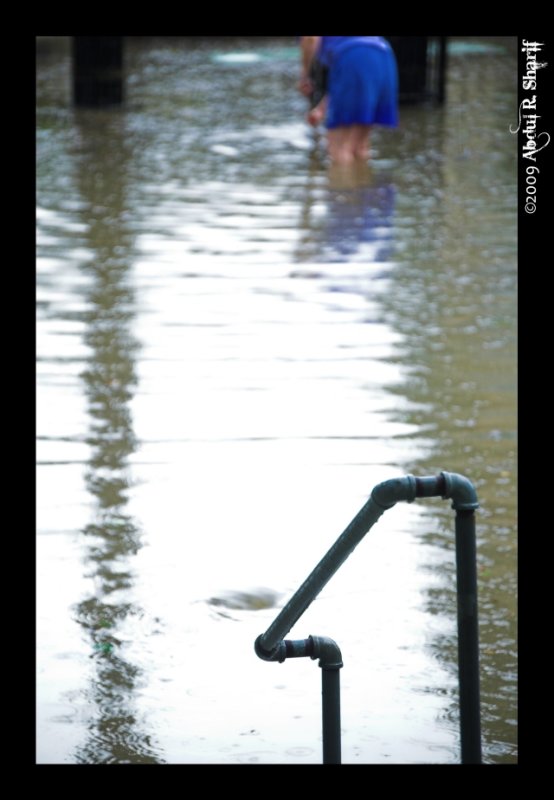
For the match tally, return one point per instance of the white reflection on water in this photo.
(262, 427)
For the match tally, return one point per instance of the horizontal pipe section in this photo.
(327, 650)
(430, 487)
(299, 648)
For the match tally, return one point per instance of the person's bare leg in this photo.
(360, 141)
(340, 146)
(349, 143)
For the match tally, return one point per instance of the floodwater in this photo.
(234, 346)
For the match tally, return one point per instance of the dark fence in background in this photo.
(98, 76)
(98, 70)
(421, 67)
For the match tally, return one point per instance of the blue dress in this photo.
(363, 81)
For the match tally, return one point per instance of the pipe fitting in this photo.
(277, 653)
(328, 652)
(433, 486)
(388, 493)
(461, 491)
(299, 648)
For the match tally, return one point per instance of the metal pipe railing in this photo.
(271, 646)
(330, 661)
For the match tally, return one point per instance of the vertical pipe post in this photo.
(468, 637)
(330, 661)
(330, 691)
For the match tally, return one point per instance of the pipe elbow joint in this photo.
(328, 652)
(388, 493)
(461, 491)
(278, 653)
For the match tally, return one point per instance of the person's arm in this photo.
(308, 48)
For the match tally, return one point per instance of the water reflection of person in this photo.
(358, 218)
(359, 209)
(360, 212)
(362, 90)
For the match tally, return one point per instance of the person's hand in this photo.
(315, 115)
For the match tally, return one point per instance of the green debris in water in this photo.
(104, 647)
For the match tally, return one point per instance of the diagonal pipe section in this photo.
(384, 496)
